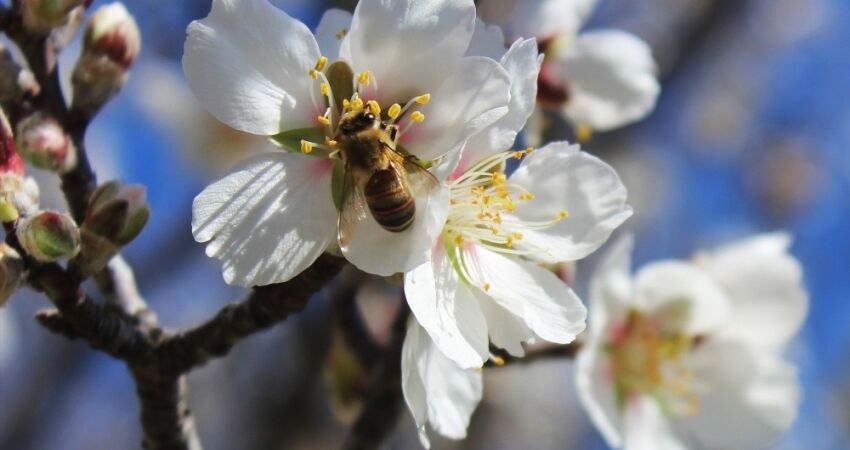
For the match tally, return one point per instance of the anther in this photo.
(374, 107)
(486, 287)
(423, 99)
(498, 360)
(306, 147)
(330, 142)
(562, 214)
(364, 77)
(323, 120)
(325, 88)
(321, 63)
(313, 73)
(394, 111)
(341, 34)
(459, 239)
(584, 132)
(357, 104)
(417, 117)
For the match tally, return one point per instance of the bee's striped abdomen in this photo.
(390, 201)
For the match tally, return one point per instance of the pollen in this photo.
(584, 132)
(498, 360)
(330, 142)
(321, 63)
(394, 111)
(374, 107)
(526, 196)
(529, 150)
(325, 89)
(356, 104)
(364, 77)
(306, 147)
(313, 73)
(562, 214)
(323, 120)
(486, 287)
(423, 99)
(341, 34)
(459, 239)
(417, 117)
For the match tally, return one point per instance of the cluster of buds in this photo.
(18, 195)
(49, 236)
(43, 143)
(116, 215)
(15, 80)
(110, 45)
(11, 272)
(40, 17)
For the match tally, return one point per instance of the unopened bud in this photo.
(110, 46)
(43, 142)
(15, 81)
(18, 195)
(10, 161)
(115, 216)
(49, 236)
(41, 16)
(11, 272)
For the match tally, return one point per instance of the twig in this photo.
(566, 351)
(118, 284)
(384, 401)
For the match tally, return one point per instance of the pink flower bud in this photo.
(116, 215)
(49, 236)
(10, 161)
(43, 142)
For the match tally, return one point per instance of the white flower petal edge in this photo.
(437, 391)
(537, 18)
(267, 220)
(765, 282)
(332, 29)
(447, 309)
(610, 76)
(522, 62)
(408, 43)
(562, 177)
(246, 63)
(487, 40)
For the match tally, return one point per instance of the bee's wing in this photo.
(420, 179)
(353, 208)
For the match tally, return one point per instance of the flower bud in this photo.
(18, 195)
(15, 81)
(11, 272)
(43, 142)
(115, 216)
(49, 236)
(110, 46)
(41, 16)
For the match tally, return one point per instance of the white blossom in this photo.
(263, 72)
(688, 354)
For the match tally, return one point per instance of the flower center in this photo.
(647, 359)
(342, 92)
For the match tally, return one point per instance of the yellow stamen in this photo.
(584, 132)
(364, 77)
(306, 147)
(486, 287)
(562, 214)
(326, 89)
(459, 239)
(394, 111)
(313, 73)
(417, 116)
(356, 104)
(374, 107)
(423, 99)
(324, 120)
(330, 142)
(321, 63)
(498, 360)
(529, 150)
(341, 34)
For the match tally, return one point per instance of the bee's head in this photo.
(354, 122)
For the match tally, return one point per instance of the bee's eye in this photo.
(369, 117)
(346, 127)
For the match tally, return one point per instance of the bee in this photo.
(378, 175)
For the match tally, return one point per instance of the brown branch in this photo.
(117, 282)
(384, 402)
(565, 351)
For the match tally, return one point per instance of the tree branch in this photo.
(565, 351)
(350, 321)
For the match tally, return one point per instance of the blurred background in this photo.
(751, 134)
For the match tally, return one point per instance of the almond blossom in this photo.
(688, 354)
(260, 71)
(600, 79)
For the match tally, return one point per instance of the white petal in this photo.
(335, 23)
(610, 77)
(488, 40)
(765, 283)
(522, 62)
(611, 287)
(506, 330)
(414, 354)
(247, 63)
(683, 297)
(451, 393)
(537, 18)
(474, 97)
(409, 45)
(547, 305)
(269, 219)
(751, 399)
(646, 427)
(446, 308)
(564, 178)
(595, 389)
(376, 250)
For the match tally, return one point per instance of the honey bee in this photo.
(378, 176)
